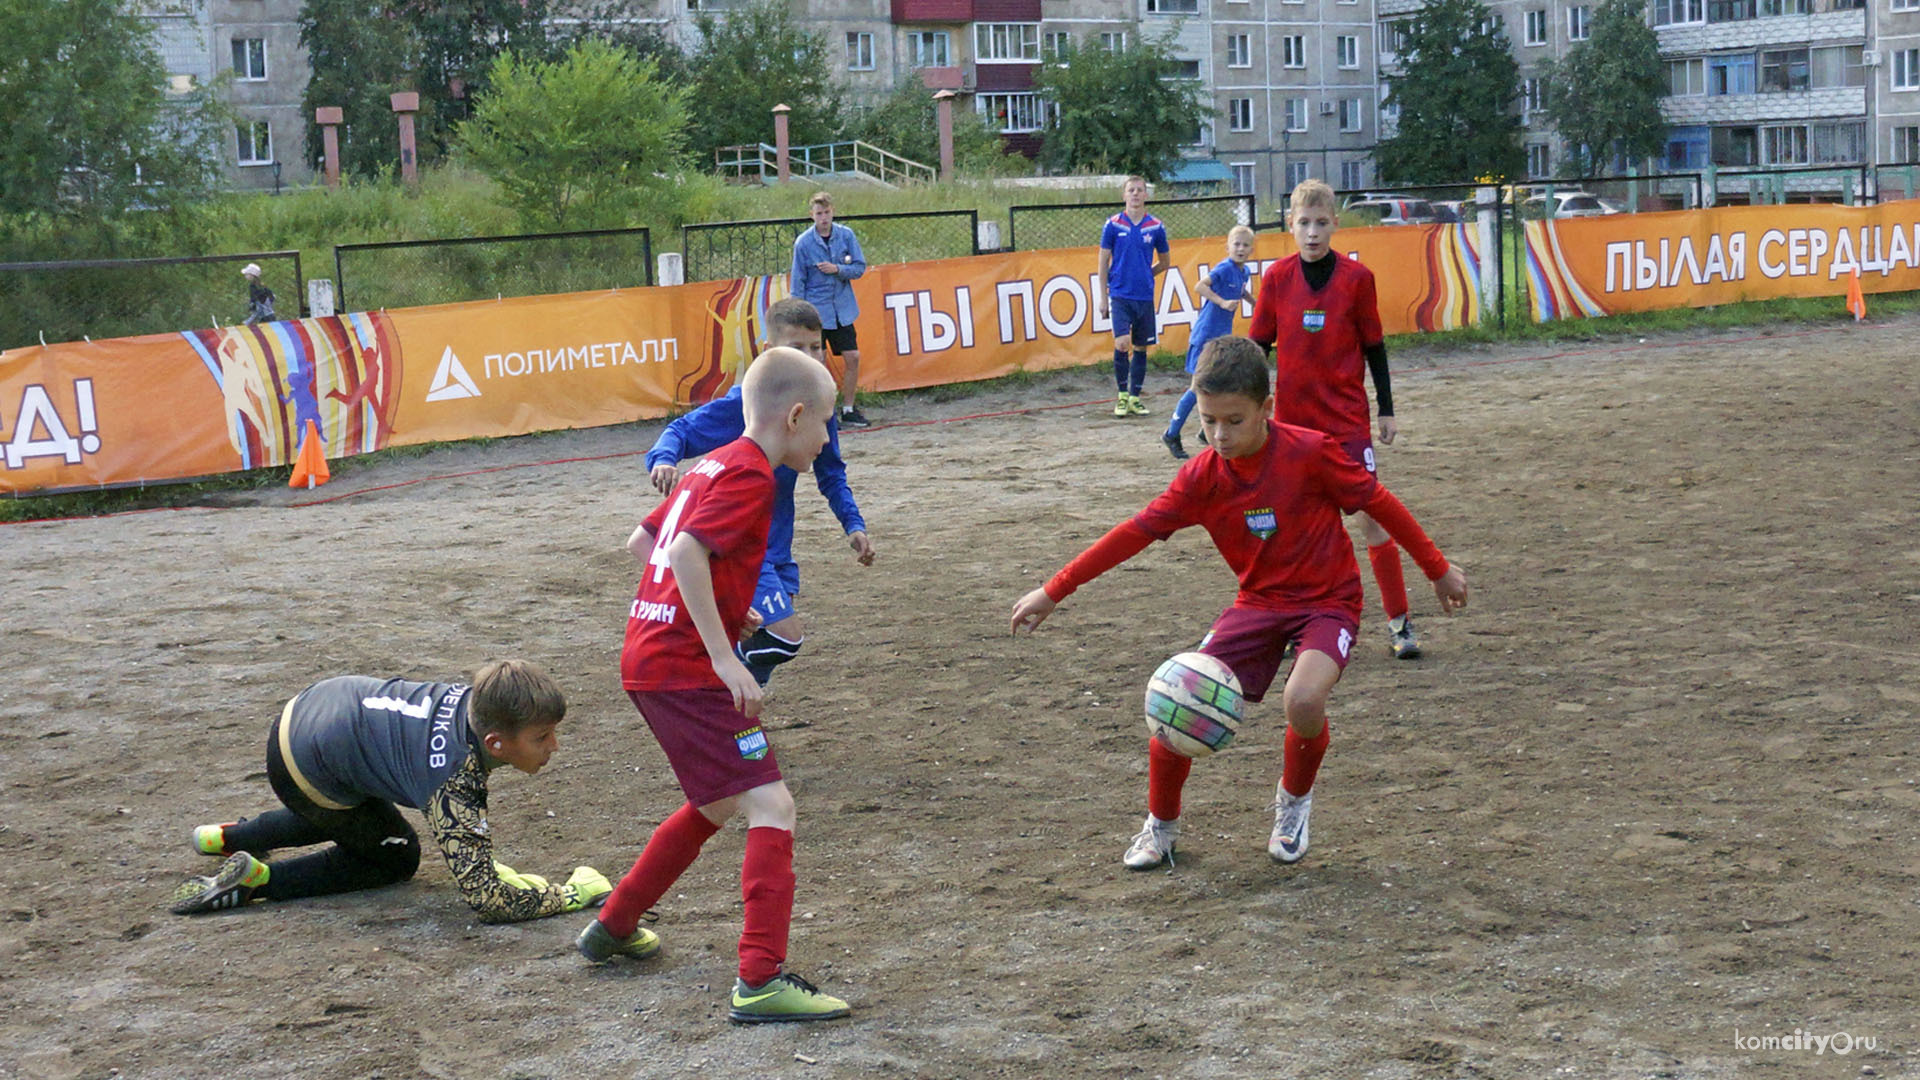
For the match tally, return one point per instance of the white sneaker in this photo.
(1153, 846)
(1289, 840)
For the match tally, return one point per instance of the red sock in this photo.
(1303, 760)
(669, 851)
(1393, 582)
(766, 884)
(1166, 775)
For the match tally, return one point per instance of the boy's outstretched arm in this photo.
(693, 570)
(702, 431)
(830, 476)
(1449, 582)
(1121, 543)
(457, 819)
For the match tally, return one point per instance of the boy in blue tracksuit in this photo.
(793, 323)
(1221, 292)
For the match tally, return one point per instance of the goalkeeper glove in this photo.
(517, 879)
(587, 888)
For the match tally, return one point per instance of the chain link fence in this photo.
(413, 273)
(104, 298)
(1067, 225)
(733, 249)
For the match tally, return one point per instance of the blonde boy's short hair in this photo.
(1240, 232)
(510, 696)
(780, 378)
(1312, 193)
(820, 198)
(1136, 179)
(792, 313)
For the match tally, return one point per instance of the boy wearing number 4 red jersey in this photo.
(1270, 495)
(700, 554)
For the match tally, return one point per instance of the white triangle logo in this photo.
(451, 380)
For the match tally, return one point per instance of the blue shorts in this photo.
(778, 588)
(1135, 318)
(1193, 352)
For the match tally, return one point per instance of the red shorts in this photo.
(714, 750)
(1252, 642)
(1360, 449)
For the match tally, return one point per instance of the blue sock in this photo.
(1180, 414)
(1139, 371)
(1120, 369)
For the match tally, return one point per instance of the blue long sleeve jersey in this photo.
(723, 420)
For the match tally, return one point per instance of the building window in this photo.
(1728, 75)
(1006, 43)
(1533, 96)
(1199, 135)
(1243, 172)
(1791, 7)
(1906, 5)
(1173, 7)
(256, 142)
(1784, 144)
(1240, 114)
(1839, 65)
(1494, 25)
(1539, 160)
(1903, 145)
(1350, 113)
(930, 48)
(1010, 114)
(1686, 78)
(1239, 51)
(1732, 10)
(1184, 69)
(1347, 48)
(1536, 27)
(1906, 69)
(1686, 148)
(1296, 174)
(1389, 118)
(1577, 20)
(1293, 51)
(1353, 175)
(1675, 12)
(859, 51)
(1296, 114)
(1783, 70)
(1393, 38)
(250, 59)
(1735, 146)
(1058, 43)
(1842, 142)
(1114, 41)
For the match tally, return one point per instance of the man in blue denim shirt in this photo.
(826, 260)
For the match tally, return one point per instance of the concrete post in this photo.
(320, 297)
(672, 268)
(329, 118)
(1486, 203)
(780, 144)
(943, 109)
(406, 105)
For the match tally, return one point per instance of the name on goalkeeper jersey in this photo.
(652, 611)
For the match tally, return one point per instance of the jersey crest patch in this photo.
(1262, 522)
(1313, 321)
(752, 743)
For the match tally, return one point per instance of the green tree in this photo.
(1128, 111)
(907, 122)
(750, 60)
(458, 42)
(92, 125)
(1604, 96)
(576, 141)
(1455, 98)
(362, 53)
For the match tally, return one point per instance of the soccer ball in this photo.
(1194, 704)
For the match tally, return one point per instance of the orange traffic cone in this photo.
(1856, 303)
(310, 468)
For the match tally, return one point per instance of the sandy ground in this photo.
(1653, 796)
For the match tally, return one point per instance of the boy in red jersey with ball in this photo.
(700, 554)
(1319, 311)
(1270, 495)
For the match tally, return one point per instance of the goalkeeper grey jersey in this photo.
(355, 737)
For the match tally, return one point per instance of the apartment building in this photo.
(257, 44)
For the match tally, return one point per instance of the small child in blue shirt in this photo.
(1133, 252)
(1220, 296)
(795, 324)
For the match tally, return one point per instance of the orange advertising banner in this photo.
(201, 402)
(1589, 267)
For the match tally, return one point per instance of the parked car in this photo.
(1371, 196)
(1568, 204)
(1452, 210)
(1396, 211)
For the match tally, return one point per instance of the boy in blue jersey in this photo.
(1220, 295)
(1133, 252)
(795, 324)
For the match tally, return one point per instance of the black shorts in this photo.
(841, 339)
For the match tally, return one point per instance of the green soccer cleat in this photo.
(1135, 407)
(211, 839)
(1120, 405)
(598, 944)
(233, 885)
(783, 999)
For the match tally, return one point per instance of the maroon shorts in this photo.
(714, 750)
(1360, 449)
(1252, 642)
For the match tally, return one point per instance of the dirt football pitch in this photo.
(1648, 808)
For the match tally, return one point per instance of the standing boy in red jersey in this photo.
(700, 554)
(1270, 495)
(1320, 309)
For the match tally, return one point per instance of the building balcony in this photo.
(1696, 38)
(1761, 108)
(932, 11)
(944, 78)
